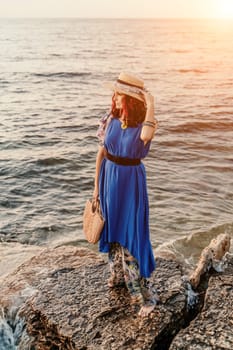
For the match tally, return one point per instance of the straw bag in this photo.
(93, 221)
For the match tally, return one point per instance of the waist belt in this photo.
(122, 160)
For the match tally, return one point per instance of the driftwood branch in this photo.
(214, 251)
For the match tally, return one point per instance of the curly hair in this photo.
(133, 110)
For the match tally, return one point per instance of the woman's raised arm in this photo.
(150, 124)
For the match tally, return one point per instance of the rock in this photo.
(18, 287)
(212, 328)
(6, 336)
(60, 299)
(213, 253)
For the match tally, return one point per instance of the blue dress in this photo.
(123, 196)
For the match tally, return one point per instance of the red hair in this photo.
(133, 110)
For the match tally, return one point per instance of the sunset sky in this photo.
(117, 8)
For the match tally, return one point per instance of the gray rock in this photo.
(62, 299)
(6, 336)
(59, 299)
(19, 287)
(212, 329)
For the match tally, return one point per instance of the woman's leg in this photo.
(149, 294)
(115, 264)
(140, 288)
(150, 297)
(132, 276)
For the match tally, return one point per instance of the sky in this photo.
(118, 8)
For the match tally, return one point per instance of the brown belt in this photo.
(122, 160)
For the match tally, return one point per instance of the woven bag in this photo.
(93, 221)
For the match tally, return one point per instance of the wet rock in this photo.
(60, 299)
(18, 287)
(211, 256)
(6, 335)
(212, 329)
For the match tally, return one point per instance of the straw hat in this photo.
(128, 84)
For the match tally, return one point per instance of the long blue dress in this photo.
(124, 198)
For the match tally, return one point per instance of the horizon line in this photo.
(110, 18)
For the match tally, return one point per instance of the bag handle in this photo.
(95, 205)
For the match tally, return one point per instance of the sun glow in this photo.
(224, 9)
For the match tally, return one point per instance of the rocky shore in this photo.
(59, 299)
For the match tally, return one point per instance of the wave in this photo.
(4, 82)
(181, 51)
(226, 84)
(26, 144)
(61, 74)
(51, 161)
(21, 91)
(193, 70)
(197, 145)
(193, 127)
(189, 248)
(56, 55)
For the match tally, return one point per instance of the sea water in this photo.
(51, 81)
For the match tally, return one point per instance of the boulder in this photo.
(59, 299)
(211, 256)
(212, 329)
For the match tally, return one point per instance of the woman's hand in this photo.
(150, 123)
(149, 99)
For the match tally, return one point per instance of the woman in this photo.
(120, 183)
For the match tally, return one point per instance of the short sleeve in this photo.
(102, 128)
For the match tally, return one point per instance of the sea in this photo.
(52, 74)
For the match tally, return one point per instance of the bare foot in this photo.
(110, 283)
(146, 310)
(136, 299)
